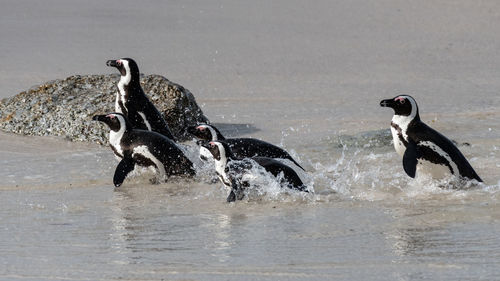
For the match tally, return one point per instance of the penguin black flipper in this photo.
(410, 158)
(422, 133)
(122, 170)
(157, 121)
(161, 127)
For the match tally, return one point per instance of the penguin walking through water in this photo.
(132, 102)
(423, 147)
(232, 171)
(143, 148)
(241, 147)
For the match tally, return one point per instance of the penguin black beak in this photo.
(387, 103)
(111, 63)
(205, 144)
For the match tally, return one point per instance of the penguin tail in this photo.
(295, 162)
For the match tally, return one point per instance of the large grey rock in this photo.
(65, 107)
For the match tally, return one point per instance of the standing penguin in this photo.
(422, 146)
(133, 103)
(231, 170)
(143, 148)
(241, 147)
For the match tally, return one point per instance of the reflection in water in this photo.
(441, 235)
(219, 225)
(148, 224)
(418, 241)
(119, 230)
(416, 233)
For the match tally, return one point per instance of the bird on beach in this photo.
(132, 102)
(423, 148)
(232, 170)
(143, 148)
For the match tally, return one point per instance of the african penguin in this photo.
(231, 170)
(422, 146)
(143, 148)
(133, 103)
(241, 147)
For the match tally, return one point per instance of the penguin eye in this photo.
(119, 62)
(402, 101)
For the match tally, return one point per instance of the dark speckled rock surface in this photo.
(65, 108)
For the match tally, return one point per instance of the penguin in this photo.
(231, 170)
(422, 146)
(143, 148)
(240, 147)
(133, 103)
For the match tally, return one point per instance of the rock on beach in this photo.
(64, 108)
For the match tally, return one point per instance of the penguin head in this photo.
(205, 132)
(115, 121)
(201, 132)
(403, 105)
(125, 66)
(219, 150)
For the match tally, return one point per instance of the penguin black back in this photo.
(275, 167)
(422, 133)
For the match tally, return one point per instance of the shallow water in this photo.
(366, 219)
(308, 77)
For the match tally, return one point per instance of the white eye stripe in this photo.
(220, 165)
(222, 151)
(403, 121)
(212, 131)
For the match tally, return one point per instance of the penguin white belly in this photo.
(205, 154)
(114, 141)
(398, 144)
(117, 105)
(144, 151)
(223, 176)
(436, 171)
